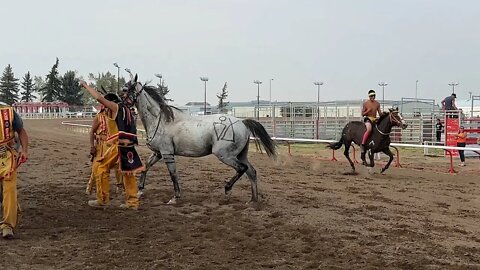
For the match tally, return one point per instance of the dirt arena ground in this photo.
(311, 216)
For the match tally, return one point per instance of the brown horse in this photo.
(379, 140)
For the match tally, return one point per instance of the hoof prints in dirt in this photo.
(310, 217)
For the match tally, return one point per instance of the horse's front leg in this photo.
(372, 161)
(154, 157)
(390, 155)
(364, 159)
(172, 170)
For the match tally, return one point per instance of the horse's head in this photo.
(131, 90)
(396, 118)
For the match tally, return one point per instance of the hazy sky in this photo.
(349, 45)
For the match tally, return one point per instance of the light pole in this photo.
(453, 84)
(383, 84)
(416, 90)
(205, 80)
(158, 75)
(257, 82)
(318, 84)
(118, 76)
(318, 97)
(270, 98)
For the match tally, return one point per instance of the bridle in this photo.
(133, 95)
(394, 120)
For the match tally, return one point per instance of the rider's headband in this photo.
(371, 95)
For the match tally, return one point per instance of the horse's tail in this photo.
(259, 132)
(336, 145)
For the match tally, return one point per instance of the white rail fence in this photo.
(447, 149)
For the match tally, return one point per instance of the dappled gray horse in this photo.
(378, 141)
(172, 132)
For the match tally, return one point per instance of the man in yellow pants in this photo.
(10, 159)
(98, 135)
(121, 135)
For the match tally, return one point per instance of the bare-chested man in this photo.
(369, 113)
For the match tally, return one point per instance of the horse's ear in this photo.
(390, 109)
(136, 78)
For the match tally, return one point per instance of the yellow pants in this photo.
(91, 181)
(8, 180)
(106, 162)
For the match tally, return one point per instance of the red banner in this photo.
(451, 130)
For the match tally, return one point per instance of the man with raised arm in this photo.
(120, 142)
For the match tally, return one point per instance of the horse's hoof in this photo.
(228, 192)
(172, 201)
(370, 170)
(383, 172)
(252, 201)
(140, 194)
(352, 172)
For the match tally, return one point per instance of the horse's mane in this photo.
(382, 116)
(166, 109)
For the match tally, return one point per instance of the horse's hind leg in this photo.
(346, 152)
(154, 157)
(390, 156)
(233, 162)
(251, 173)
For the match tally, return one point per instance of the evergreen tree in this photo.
(8, 86)
(50, 91)
(28, 88)
(222, 105)
(71, 91)
(107, 80)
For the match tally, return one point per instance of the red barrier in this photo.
(289, 149)
(450, 170)
(397, 158)
(333, 156)
(354, 158)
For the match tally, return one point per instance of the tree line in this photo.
(66, 88)
(53, 87)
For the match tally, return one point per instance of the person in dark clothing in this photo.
(449, 106)
(439, 129)
(448, 103)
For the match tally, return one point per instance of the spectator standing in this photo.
(439, 129)
(461, 142)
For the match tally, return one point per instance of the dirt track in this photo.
(311, 215)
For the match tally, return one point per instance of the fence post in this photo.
(333, 156)
(451, 169)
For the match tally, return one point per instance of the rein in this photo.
(156, 130)
(383, 133)
(136, 94)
